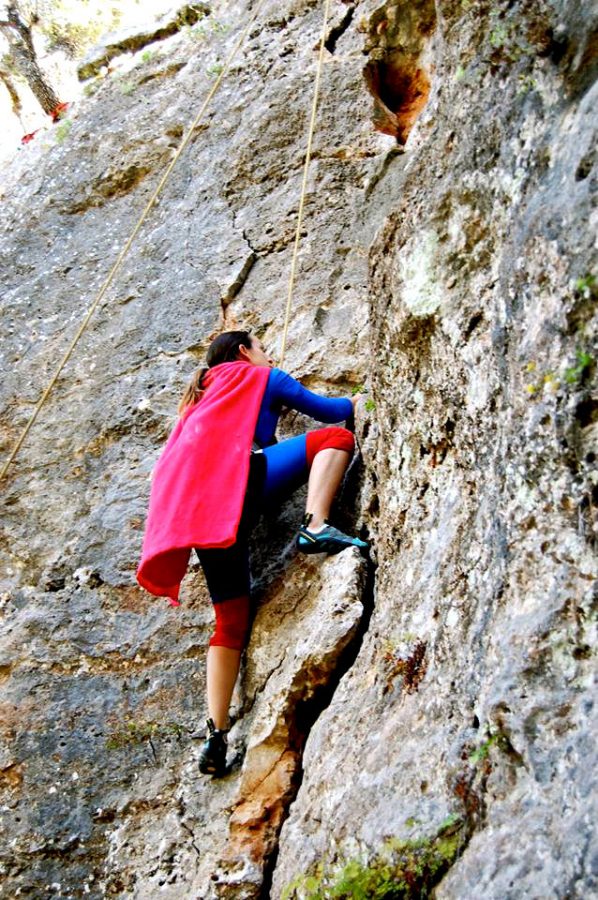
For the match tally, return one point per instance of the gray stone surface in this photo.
(452, 277)
(486, 488)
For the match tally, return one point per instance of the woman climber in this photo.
(221, 466)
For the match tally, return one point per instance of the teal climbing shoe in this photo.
(328, 540)
(212, 759)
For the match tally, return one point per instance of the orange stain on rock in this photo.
(400, 93)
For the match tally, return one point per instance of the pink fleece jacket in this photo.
(199, 482)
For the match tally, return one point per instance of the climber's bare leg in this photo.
(326, 474)
(222, 670)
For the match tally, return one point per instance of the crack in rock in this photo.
(317, 632)
(238, 281)
(337, 31)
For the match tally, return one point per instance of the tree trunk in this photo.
(7, 80)
(22, 51)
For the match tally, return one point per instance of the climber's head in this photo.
(230, 346)
(255, 354)
(226, 347)
(236, 345)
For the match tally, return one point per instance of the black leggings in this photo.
(274, 475)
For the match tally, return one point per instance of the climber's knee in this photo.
(232, 623)
(333, 438)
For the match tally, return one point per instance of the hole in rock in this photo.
(586, 412)
(473, 324)
(400, 96)
(55, 584)
(585, 167)
(399, 72)
(558, 48)
(95, 580)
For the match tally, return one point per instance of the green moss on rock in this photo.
(400, 869)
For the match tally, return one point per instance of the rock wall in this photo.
(424, 717)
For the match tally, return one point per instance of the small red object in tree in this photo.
(58, 111)
(29, 137)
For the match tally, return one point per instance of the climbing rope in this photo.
(123, 253)
(304, 186)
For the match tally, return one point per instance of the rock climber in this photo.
(220, 468)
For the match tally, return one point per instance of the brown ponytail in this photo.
(193, 391)
(224, 348)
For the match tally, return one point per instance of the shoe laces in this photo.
(305, 522)
(214, 732)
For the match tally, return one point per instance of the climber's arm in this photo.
(287, 391)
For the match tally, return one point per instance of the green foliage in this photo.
(572, 375)
(218, 27)
(401, 869)
(127, 87)
(544, 380)
(62, 130)
(215, 69)
(202, 30)
(197, 32)
(370, 405)
(137, 732)
(74, 26)
(358, 389)
(526, 84)
(451, 820)
(90, 88)
(498, 740)
(7, 62)
(147, 56)
(499, 36)
(575, 374)
(507, 40)
(586, 285)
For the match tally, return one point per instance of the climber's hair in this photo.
(224, 348)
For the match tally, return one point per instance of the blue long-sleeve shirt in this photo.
(283, 390)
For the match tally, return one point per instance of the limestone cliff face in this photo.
(431, 706)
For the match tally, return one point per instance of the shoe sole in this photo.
(316, 547)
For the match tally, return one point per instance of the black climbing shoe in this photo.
(328, 540)
(212, 759)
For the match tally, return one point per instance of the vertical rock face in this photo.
(433, 710)
(469, 696)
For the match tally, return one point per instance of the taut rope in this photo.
(123, 253)
(304, 186)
